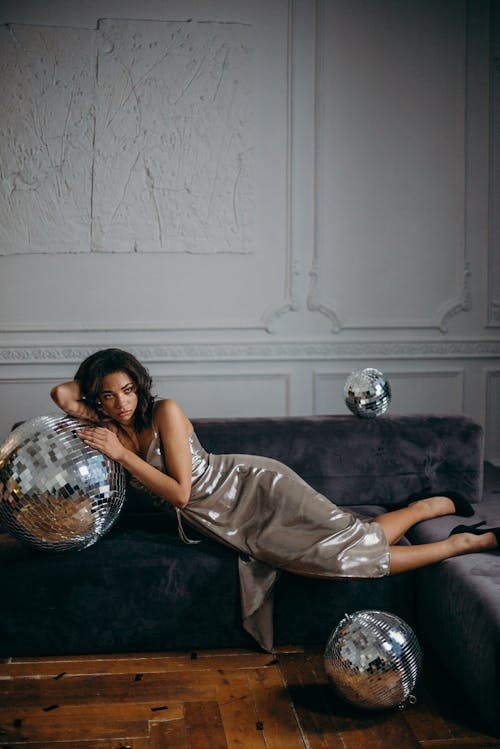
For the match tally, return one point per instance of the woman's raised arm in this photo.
(68, 397)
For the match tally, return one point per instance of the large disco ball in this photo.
(373, 660)
(367, 393)
(56, 493)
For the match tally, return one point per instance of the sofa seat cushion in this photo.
(131, 591)
(140, 588)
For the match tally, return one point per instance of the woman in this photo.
(256, 505)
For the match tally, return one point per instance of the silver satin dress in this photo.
(276, 521)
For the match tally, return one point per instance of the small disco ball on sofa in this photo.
(373, 659)
(367, 393)
(56, 493)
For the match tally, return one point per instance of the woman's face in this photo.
(118, 397)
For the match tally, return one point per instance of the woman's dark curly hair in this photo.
(96, 367)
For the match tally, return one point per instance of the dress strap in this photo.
(182, 533)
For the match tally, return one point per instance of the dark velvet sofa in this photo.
(140, 588)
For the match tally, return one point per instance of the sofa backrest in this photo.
(353, 461)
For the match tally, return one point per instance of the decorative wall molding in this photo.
(462, 303)
(276, 351)
(407, 374)
(493, 267)
(314, 304)
(49, 329)
(292, 271)
(290, 304)
(494, 316)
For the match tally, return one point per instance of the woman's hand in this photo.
(103, 440)
(174, 428)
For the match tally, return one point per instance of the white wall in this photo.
(255, 198)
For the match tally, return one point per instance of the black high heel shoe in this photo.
(462, 506)
(477, 530)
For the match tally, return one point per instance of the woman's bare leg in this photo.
(406, 558)
(398, 522)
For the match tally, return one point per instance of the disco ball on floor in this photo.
(373, 659)
(56, 493)
(367, 393)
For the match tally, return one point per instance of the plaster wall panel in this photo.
(46, 133)
(24, 399)
(413, 392)
(173, 137)
(391, 159)
(199, 393)
(225, 394)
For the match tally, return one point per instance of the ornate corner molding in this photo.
(291, 304)
(463, 303)
(494, 313)
(313, 302)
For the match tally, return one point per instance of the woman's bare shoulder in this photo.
(168, 411)
(167, 406)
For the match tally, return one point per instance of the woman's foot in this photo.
(476, 537)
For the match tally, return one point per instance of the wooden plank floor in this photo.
(216, 700)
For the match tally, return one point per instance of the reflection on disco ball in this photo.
(56, 493)
(367, 393)
(373, 660)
